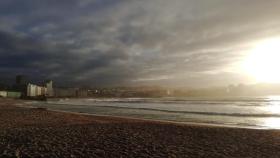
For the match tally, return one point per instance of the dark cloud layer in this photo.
(132, 42)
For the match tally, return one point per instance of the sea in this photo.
(239, 112)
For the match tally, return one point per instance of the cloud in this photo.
(118, 42)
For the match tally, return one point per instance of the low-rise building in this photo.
(3, 94)
(82, 93)
(65, 92)
(13, 94)
(10, 94)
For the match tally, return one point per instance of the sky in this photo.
(190, 43)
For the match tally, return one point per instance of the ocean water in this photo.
(245, 112)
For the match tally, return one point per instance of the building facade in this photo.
(3, 94)
(49, 86)
(35, 90)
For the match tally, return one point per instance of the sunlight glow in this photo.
(273, 107)
(263, 63)
(272, 123)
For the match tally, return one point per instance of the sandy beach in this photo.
(31, 132)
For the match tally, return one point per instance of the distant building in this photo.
(35, 90)
(82, 93)
(3, 94)
(65, 92)
(31, 90)
(49, 86)
(10, 94)
(71, 92)
(24, 89)
(43, 90)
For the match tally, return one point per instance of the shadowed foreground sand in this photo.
(40, 133)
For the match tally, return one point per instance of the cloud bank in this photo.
(132, 42)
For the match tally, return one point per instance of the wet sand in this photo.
(26, 132)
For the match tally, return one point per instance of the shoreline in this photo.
(35, 132)
(167, 121)
(211, 124)
(142, 119)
